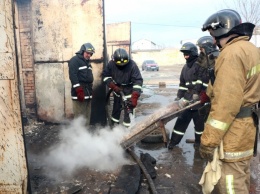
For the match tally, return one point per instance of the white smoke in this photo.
(79, 148)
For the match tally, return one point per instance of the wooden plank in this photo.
(152, 122)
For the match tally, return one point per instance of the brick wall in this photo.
(25, 34)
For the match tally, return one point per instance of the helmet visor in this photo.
(122, 63)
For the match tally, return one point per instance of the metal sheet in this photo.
(118, 35)
(49, 82)
(60, 27)
(57, 36)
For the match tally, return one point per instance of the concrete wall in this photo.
(118, 35)
(50, 33)
(13, 169)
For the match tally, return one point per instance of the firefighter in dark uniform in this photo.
(81, 77)
(122, 74)
(188, 90)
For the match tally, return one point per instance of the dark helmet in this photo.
(226, 22)
(121, 57)
(189, 48)
(207, 42)
(88, 47)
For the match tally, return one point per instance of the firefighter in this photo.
(207, 57)
(122, 74)
(234, 93)
(81, 77)
(188, 90)
(206, 60)
(207, 47)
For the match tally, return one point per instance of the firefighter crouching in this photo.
(123, 75)
(233, 95)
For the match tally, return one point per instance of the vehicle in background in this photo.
(150, 65)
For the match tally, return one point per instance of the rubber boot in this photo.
(197, 140)
(113, 123)
(175, 140)
(171, 145)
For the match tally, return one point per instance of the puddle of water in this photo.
(172, 86)
(163, 100)
(148, 91)
(156, 150)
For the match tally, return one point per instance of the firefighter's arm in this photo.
(137, 81)
(226, 102)
(182, 87)
(73, 73)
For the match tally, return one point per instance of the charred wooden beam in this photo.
(153, 122)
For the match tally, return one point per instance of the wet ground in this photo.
(65, 161)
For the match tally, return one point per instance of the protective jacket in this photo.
(128, 77)
(204, 73)
(189, 80)
(80, 74)
(236, 85)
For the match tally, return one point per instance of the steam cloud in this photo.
(79, 148)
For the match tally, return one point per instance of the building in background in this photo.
(144, 44)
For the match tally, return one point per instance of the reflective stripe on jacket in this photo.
(236, 85)
(80, 74)
(192, 76)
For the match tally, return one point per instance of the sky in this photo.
(164, 22)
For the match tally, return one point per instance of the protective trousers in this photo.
(235, 178)
(82, 109)
(116, 112)
(182, 124)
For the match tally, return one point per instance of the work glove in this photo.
(134, 98)
(195, 97)
(114, 87)
(177, 99)
(183, 103)
(80, 93)
(206, 152)
(204, 97)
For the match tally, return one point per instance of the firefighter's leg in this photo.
(198, 125)
(179, 128)
(127, 120)
(235, 178)
(82, 109)
(116, 112)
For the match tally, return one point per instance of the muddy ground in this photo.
(177, 171)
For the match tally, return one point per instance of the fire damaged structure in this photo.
(38, 37)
